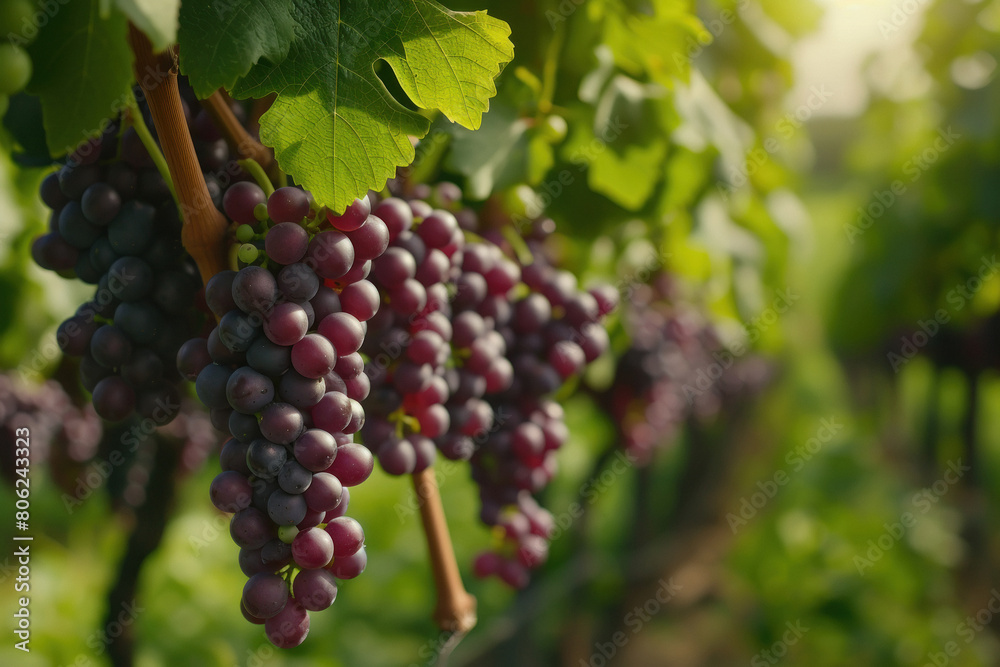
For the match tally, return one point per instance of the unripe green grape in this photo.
(287, 533)
(244, 233)
(260, 212)
(15, 68)
(248, 253)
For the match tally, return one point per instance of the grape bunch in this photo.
(409, 343)
(675, 369)
(17, 30)
(115, 225)
(551, 333)
(475, 375)
(60, 431)
(282, 373)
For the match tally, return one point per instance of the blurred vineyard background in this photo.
(813, 184)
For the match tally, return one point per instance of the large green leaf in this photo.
(156, 18)
(334, 126)
(220, 41)
(83, 71)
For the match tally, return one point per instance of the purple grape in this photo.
(353, 217)
(333, 412)
(286, 324)
(331, 254)
(288, 204)
(312, 548)
(353, 465)
(325, 494)
(344, 331)
(251, 529)
(290, 627)
(230, 491)
(281, 423)
(371, 239)
(315, 590)
(255, 290)
(286, 242)
(265, 595)
(248, 391)
(349, 567)
(313, 356)
(315, 450)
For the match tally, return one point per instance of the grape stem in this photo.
(204, 231)
(253, 168)
(456, 608)
(238, 138)
(139, 124)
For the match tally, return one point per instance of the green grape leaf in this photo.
(334, 126)
(494, 156)
(221, 41)
(83, 72)
(156, 18)
(628, 178)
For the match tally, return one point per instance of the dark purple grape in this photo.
(281, 423)
(265, 595)
(315, 590)
(288, 204)
(230, 491)
(241, 199)
(315, 450)
(254, 290)
(331, 254)
(286, 242)
(290, 627)
(286, 509)
(265, 459)
(248, 391)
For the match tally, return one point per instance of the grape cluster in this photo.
(474, 373)
(676, 368)
(409, 343)
(551, 333)
(115, 225)
(282, 373)
(58, 428)
(17, 30)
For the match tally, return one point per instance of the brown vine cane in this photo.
(204, 230)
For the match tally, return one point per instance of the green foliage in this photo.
(334, 126)
(220, 43)
(83, 72)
